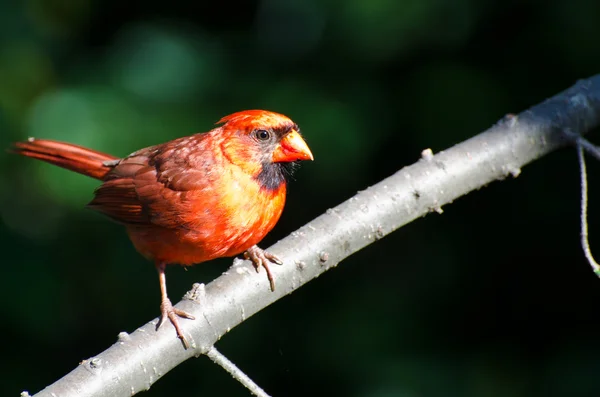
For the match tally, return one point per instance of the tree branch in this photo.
(138, 360)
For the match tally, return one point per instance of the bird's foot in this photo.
(169, 312)
(260, 257)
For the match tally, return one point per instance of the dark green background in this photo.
(492, 298)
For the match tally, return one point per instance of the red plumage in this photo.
(195, 198)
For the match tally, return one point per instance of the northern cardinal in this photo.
(195, 198)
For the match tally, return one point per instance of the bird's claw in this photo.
(169, 312)
(261, 258)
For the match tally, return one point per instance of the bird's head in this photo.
(264, 144)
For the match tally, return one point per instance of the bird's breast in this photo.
(222, 220)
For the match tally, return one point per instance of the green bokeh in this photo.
(492, 298)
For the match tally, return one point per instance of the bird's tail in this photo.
(66, 155)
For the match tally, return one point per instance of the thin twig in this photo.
(218, 358)
(589, 147)
(585, 243)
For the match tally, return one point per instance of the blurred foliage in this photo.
(493, 298)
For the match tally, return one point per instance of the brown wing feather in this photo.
(152, 185)
(117, 197)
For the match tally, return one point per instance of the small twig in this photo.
(218, 358)
(585, 243)
(588, 147)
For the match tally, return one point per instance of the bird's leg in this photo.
(166, 307)
(260, 258)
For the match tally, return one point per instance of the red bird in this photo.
(195, 198)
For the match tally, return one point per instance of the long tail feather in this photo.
(66, 155)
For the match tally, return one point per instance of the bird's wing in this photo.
(154, 186)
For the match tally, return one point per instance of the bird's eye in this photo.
(262, 135)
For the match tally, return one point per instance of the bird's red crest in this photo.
(255, 117)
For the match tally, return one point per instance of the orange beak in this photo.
(292, 148)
